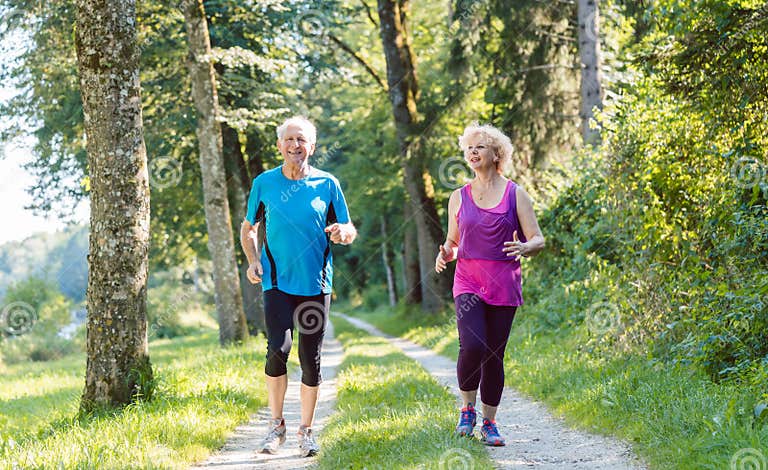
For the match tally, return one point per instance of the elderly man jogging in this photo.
(303, 210)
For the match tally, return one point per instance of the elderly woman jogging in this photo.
(491, 225)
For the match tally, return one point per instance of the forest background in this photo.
(657, 237)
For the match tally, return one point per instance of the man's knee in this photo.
(311, 376)
(276, 363)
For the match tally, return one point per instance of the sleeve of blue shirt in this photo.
(254, 201)
(339, 203)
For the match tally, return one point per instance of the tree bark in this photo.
(591, 61)
(411, 270)
(118, 369)
(235, 166)
(386, 257)
(403, 94)
(229, 301)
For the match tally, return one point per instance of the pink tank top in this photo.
(482, 267)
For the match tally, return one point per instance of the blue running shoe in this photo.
(490, 435)
(467, 421)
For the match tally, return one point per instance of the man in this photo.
(303, 210)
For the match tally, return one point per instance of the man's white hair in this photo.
(309, 129)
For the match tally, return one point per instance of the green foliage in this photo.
(664, 231)
(59, 258)
(34, 314)
(33, 291)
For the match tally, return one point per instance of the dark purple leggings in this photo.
(483, 333)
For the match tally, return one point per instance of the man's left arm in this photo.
(343, 234)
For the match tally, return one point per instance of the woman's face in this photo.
(295, 146)
(479, 153)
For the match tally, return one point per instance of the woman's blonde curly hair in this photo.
(496, 139)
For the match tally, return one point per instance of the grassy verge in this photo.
(203, 392)
(391, 413)
(675, 417)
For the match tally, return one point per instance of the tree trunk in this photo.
(411, 258)
(255, 165)
(403, 93)
(235, 165)
(591, 61)
(118, 370)
(229, 301)
(386, 256)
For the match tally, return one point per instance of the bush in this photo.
(35, 314)
(657, 231)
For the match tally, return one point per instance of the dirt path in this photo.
(240, 450)
(535, 439)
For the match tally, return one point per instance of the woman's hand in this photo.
(516, 248)
(444, 255)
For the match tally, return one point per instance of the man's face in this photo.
(295, 146)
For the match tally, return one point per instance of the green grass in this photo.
(391, 413)
(674, 417)
(203, 392)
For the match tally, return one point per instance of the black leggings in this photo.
(483, 333)
(283, 311)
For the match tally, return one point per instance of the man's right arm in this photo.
(249, 240)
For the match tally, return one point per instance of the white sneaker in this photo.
(308, 446)
(275, 438)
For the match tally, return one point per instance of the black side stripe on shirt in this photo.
(272, 266)
(330, 218)
(260, 213)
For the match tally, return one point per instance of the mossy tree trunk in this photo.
(118, 369)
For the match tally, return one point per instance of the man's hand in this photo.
(255, 272)
(339, 233)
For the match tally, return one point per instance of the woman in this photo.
(303, 210)
(491, 225)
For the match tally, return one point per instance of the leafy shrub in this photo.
(659, 226)
(39, 312)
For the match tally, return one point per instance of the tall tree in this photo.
(108, 61)
(403, 94)
(229, 301)
(238, 186)
(589, 51)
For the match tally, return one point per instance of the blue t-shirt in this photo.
(296, 256)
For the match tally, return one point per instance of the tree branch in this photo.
(370, 15)
(359, 59)
(548, 67)
(557, 36)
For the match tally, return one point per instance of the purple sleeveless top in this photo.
(482, 267)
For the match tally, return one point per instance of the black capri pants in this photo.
(309, 314)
